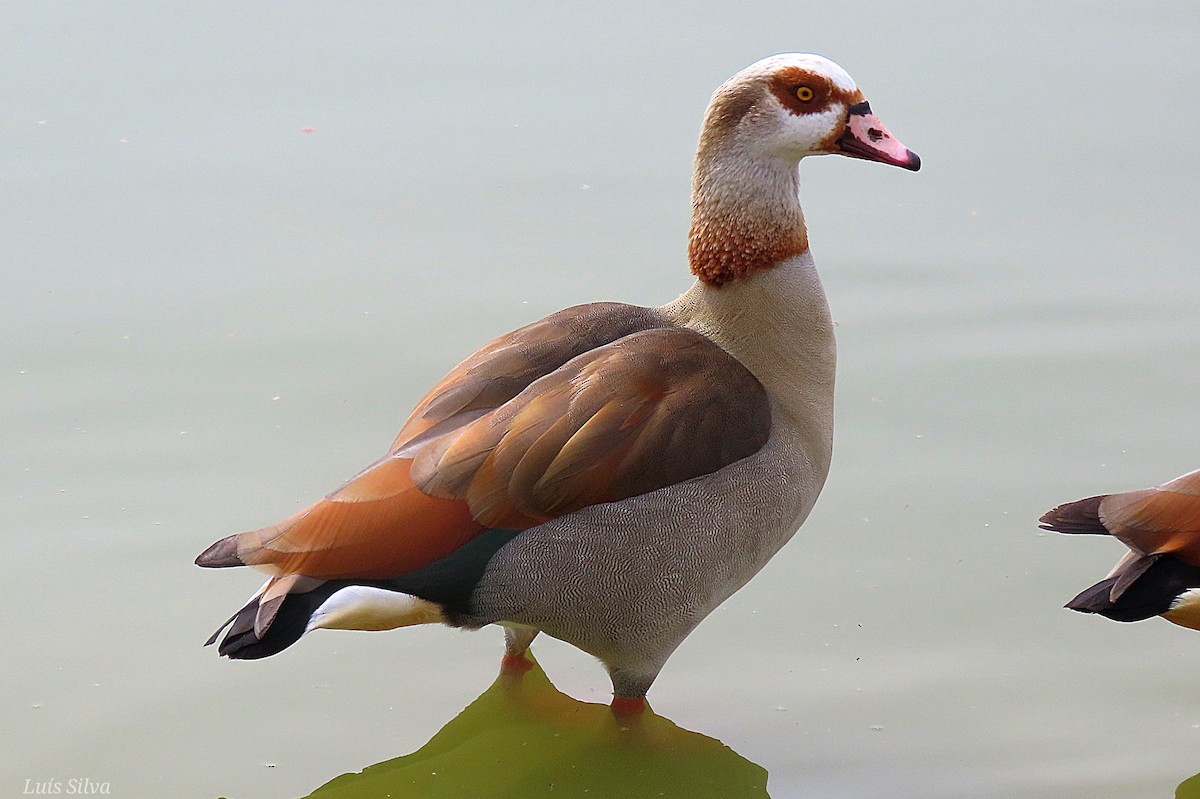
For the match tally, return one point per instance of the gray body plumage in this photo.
(628, 581)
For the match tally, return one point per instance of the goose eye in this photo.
(804, 94)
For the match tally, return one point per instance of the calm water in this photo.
(240, 241)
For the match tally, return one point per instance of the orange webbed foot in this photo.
(628, 708)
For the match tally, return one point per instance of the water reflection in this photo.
(1189, 788)
(522, 737)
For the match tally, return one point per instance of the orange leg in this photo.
(516, 644)
(515, 665)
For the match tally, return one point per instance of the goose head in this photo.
(746, 214)
(789, 106)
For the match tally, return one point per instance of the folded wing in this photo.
(594, 404)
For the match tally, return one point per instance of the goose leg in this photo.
(516, 644)
(629, 689)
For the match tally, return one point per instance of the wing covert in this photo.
(505, 367)
(652, 409)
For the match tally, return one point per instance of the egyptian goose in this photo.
(1160, 575)
(612, 473)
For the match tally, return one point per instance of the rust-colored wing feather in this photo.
(378, 525)
(1165, 519)
(594, 404)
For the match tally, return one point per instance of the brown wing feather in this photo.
(655, 408)
(1158, 520)
(507, 366)
(594, 404)
(378, 525)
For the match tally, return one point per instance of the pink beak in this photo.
(866, 137)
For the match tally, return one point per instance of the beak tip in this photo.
(914, 162)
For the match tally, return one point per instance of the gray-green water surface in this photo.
(240, 240)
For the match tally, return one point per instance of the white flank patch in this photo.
(360, 607)
(1185, 610)
(1187, 599)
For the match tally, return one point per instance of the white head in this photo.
(796, 104)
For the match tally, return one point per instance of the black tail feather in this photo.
(290, 622)
(1151, 593)
(448, 582)
(253, 603)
